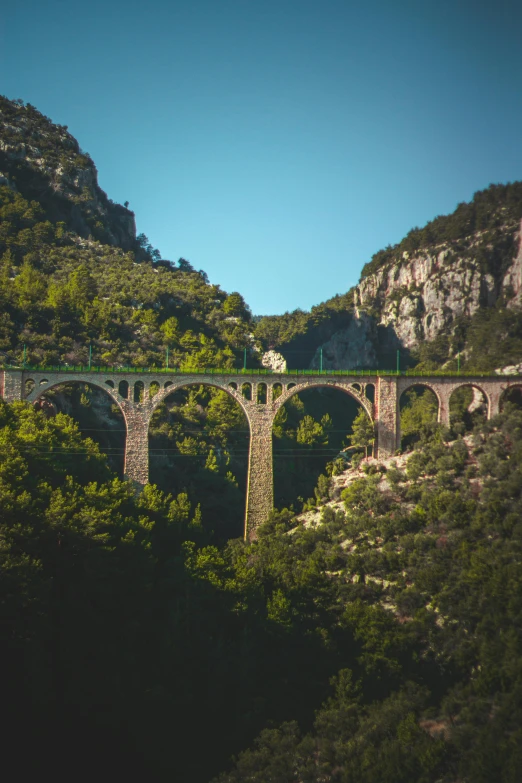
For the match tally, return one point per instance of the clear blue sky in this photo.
(278, 144)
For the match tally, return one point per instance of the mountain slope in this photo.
(428, 296)
(43, 162)
(74, 274)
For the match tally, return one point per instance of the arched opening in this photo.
(153, 389)
(312, 445)
(246, 391)
(95, 411)
(512, 395)
(167, 384)
(277, 390)
(110, 383)
(29, 386)
(290, 386)
(468, 406)
(123, 389)
(357, 387)
(369, 392)
(419, 414)
(44, 382)
(232, 385)
(139, 391)
(261, 394)
(198, 445)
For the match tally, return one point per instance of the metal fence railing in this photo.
(253, 371)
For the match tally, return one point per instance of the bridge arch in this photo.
(45, 386)
(513, 393)
(415, 383)
(347, 388)
(458, 389)
(423, 416)
(175, 386)
(29, 386)
(109, 440)
(308, 442)
(189, 453)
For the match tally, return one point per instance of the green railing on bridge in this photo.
(69, 368)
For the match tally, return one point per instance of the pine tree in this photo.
(363, 434)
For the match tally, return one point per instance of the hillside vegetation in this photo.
(398, 611)
(374, 637)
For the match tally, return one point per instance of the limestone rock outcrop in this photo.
(274, 361)
(421, 295)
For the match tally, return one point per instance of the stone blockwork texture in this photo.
(260, 485)
(12, 385)
(387, 416)
(138, 395)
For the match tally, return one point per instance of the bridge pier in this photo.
(387, 417)
(444, 410)
(260, 483)
(137, 420)
(12, 385)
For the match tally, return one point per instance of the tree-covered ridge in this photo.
(298, 333)
(60, 293)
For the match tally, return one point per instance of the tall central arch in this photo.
(299, 458)
(199, 435)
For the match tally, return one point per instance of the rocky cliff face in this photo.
(424, 295)
(419, 296)
(350, 348)
(43, 162)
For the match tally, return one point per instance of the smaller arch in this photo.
(419, 408)
(369, 392)
(261, 394)
(139, 391)
(43, 381)
(357, 387)
(246, 391)
(29, 386)
(153, 389)
(277, 390)
(232, 385)
(467, 404)
(167, 384)
(110, 383)
(290, 386)
(512, 394)
(123, 389)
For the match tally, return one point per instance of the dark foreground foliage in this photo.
(133, 645)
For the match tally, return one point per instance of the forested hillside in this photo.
(372, 631)
(146, 649)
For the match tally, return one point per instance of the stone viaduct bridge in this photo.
(260, 396)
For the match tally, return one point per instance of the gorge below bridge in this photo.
(260, 397)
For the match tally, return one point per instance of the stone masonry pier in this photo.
(260, 397)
